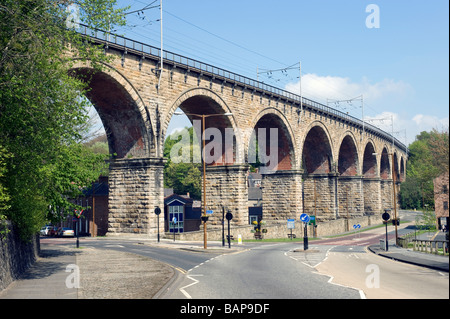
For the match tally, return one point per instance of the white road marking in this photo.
(188, 296)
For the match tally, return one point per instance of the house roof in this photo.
(174, 197)
(100, 189)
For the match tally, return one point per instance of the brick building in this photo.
(441, 188)
(95, 201)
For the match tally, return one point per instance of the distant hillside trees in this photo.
(429, 157)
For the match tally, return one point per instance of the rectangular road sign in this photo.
(291, 224)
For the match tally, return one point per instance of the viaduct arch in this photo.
(327, 163)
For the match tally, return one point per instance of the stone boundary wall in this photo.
(279, 230)
(16, 256)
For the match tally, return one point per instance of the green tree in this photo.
(428, 158)
(183, 174)
(42, 162)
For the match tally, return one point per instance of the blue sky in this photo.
(401, 68)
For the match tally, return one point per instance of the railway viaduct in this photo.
(327, 160)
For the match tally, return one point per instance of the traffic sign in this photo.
(304, 218)
(174, 220)
(209, 212)
(357, 226)
(385, 216)
(229, 216)
(291, 224)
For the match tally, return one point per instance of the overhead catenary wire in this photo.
(172, 41)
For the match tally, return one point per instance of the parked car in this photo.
(53, 232)
(66, 232)
(46, 230)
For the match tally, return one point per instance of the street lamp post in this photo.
(203, 117)
(395, 198)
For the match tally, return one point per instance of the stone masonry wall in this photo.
(227, 186)
(372, 196)
(16, 256)
(320, 196)
(136, 188)
(280, 230)
(350, 196)
(282, 195)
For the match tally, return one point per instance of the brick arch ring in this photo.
(351, 135)
(364, 144)
(317, 123)
(287, 126)
(130, 89)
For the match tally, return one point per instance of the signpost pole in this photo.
(223, 226)
(78, 232)
(305, 219)
(229, 217)
(174, 221)
(387, 245)
(157, 212)
(229, 237)
(386, 217)
(305, 238)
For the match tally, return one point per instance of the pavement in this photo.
(436, 262)
(107, 274)
(65, 272)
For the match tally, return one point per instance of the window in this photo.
(177, 212)
(444, 189)
(445, 205)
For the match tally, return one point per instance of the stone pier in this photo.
(320, 196)
(282, 195)
(135, 188)
(372, 196)
(226, 186)
(350, 196)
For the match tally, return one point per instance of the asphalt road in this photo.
(263, 272)
(183, 260)
(259, 271)
(337, 268)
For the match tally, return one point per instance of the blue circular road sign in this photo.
(304, 218)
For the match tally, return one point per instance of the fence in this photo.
(437, 247)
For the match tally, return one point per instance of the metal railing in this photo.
(132, 46)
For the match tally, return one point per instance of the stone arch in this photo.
(369, 162)
(317, 150)
(402, 169)
(203, 101)
(385, 166)
(273, 124)
(123, 113)
(348, 159)
(396, 167)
